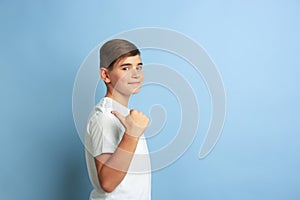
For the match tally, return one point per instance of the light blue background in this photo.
(255, 45)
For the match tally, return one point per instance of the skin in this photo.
(122, 81)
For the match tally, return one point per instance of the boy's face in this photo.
(127, 76)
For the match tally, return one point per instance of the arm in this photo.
(112, 168)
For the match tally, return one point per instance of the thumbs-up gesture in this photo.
(135, 123)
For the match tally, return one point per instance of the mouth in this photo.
(134, 83)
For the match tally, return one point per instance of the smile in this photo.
(134, 83)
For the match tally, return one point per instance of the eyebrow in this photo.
(129, 64)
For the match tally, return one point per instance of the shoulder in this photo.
(102, 128)
(102, 119)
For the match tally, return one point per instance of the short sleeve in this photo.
(103, 135)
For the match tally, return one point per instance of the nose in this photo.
(135, 73)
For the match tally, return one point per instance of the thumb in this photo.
(119, 116)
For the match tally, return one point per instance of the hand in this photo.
(135, 123)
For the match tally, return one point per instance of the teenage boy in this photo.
(116, 150)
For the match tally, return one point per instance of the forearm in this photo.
(115, 168)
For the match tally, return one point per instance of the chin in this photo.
(136, 91)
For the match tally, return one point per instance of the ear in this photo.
(104, 75)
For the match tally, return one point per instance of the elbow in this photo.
(107, 186)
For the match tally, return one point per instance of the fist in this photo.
(135, 123)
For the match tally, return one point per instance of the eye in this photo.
(139, 67)
(125, 68)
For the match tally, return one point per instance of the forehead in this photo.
(130, 60)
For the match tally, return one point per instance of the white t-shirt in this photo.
(104, 133)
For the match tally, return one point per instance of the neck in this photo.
(122, 99)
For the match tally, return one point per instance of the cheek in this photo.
(119, 80)
(115, 76)
(142, 76)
